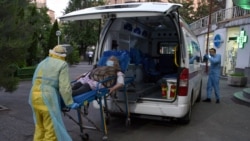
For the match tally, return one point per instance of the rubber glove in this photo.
(205, 58)
(74, 106)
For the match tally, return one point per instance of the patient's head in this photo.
(113, 61)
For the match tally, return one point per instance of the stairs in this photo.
(243, 96)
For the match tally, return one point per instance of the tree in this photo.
(52, 37)
(14, 40)
(201, 11)
(84, 33)
(39, 26)
(187, 11)
(20, 27)
(190, 14)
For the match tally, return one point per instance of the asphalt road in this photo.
(227, 121)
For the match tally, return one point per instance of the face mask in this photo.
(211, 54)
(110, 63)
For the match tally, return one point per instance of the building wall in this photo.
(243, 54)
(233, 58)
(41, 4)
(51, 14)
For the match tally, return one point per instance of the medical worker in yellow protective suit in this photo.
(50, 80)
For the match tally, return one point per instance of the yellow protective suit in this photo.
(50, 80)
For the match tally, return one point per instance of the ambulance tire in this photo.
(186, 119)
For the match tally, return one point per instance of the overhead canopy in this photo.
(121, 10)
(245, 4)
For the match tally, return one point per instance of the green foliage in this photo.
(39, 25)
(15, 38)
(237, 74)
(84, 33)
(22, 37)
(52, 37)
(201, 11)
(187, 11)
(26, 72)
(73, 57)
(190, 14)
(9, 84)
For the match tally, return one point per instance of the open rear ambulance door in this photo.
(119, 11)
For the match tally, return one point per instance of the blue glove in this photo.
(74, 106)
(205, 58)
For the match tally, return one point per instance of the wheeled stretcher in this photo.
(100, 95)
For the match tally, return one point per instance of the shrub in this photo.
(237, 74)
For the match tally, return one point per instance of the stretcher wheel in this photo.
(105, 138)
(128, 122)
(85, 137)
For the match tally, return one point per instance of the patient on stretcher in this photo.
(90, 80)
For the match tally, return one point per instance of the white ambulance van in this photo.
(165, 56)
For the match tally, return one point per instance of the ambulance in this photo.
(165, 57)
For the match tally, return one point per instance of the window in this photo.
(193, 51)
(167, 47)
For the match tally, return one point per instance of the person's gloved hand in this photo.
(205, 57)
(74, 106)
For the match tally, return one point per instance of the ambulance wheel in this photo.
(186, 119)
(128, 122)
(105, 138)
(85, 137)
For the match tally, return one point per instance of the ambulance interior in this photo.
(153, 45)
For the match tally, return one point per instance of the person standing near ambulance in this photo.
(90, 55)
(213, 75)
(50, 81)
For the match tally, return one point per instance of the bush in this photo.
(73, 57)
(237, 74)
(26, 72)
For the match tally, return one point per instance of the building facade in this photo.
(229, 34)
(43, 3)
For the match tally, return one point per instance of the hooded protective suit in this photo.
(50, 80)
(214, 76)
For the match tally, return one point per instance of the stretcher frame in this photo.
(99, 94)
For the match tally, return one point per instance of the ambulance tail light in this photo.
(183, 84)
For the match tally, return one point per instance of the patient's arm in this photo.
(119, 82)
(115, 87)
(82, 75)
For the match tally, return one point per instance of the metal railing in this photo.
(220, 16)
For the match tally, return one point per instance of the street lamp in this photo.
(58, 34)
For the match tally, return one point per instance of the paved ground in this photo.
(16, 123)
(228, 120)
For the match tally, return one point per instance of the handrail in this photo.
(220, 16)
